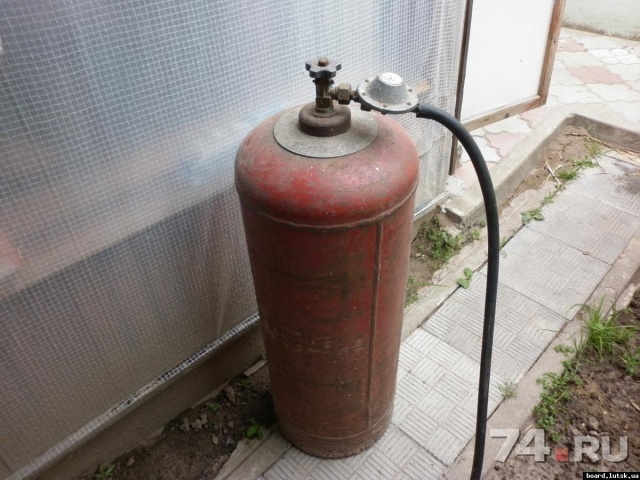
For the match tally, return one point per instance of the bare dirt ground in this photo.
(197, 443)
(604, 403)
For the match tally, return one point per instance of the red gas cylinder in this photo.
(328, 220)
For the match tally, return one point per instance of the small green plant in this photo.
(213, 406)
(243, 383)
(534, 214)
(103, 472)
(594, 149)
(437, 243)
(555, 394)
(631, 362)
(549, 198)
(466, 281)
(474, 234)
(254, 430)
(508, 390)
(586, 162)
(412, 290)
(566, 349)
(567, 174)
(601, 334)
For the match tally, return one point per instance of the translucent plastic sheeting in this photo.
(121, 246)
(506, 54)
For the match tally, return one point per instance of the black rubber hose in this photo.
(493, 229)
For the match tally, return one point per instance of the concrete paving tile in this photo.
(630, 111)
(461, 339)
(595, 75)
(536, 116)
(574, 94)
(552, 101)
(573, 59)
(620, 52)
(409, 356)
(610, 60)
(470, 401)
(618, 187)
(423, 466)
(597, 42)
(570, 45)
(588, 225)
(401, 373)
(397, 446)
(502, 337)
(524, 351)
(556, 275)
(601, 53)
(445, 355)
(331, 470)
(542, 328)
(428, 371)
(629, 60)
(453, 387)
(412, 389)
(288, 468)
(629, 73)
(422, 341)
(489, 153)
(440, 326)
(509, 125)
(437, 405)
(466, 174)
(508, 367)
(475, 350)
(419, 426)
(505, 142)
(444, 445)
(401, 408)
(461, 424)
(561, 76)
(466, 369)
(612, 93)
(379, 466)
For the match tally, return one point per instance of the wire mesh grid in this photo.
(121, 245)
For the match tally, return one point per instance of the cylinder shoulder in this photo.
(326, 191)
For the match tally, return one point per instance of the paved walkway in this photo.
(548, 268)
(589, 69)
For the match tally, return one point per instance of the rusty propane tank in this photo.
(327, 194)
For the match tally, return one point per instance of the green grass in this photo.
(508, 390)
(603, 337)
(594, 149)
(556, 392)
(631, 361)
(567, 174)
(103, 472)
(586, 162)
(600, 334)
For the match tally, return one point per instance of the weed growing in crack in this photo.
(534, 214)
(466, 281)
(508, 390)
(413, 286)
